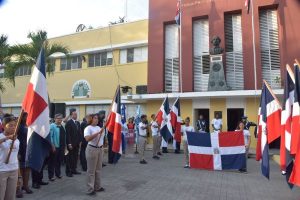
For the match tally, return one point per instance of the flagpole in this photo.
(290, 71)
(180, 44)
(272, 93)
(15, 136)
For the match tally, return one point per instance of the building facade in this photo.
(87, 80)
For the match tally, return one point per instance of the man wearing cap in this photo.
(247, 123)
(73, 141)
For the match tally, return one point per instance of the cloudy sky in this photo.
(59, 17)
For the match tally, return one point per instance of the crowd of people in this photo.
(72, 141)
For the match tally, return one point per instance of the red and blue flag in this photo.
(164, 120)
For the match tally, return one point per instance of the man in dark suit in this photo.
(73, 141)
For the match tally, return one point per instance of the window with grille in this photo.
(23, 71)
(234, 51)
(201, 54)
(74, 62)
(171, 58)
(269, 47)
(100, 59)
(137, 54)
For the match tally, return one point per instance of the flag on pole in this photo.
(114, 124)
(295, 136)
(176, 120)
(123, 113)
(177, 16)
(35, 103)
(164, 120)
(286, 161)
(270, 122)
(247, 5)
(258, 146)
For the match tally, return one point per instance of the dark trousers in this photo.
(177, 147)
(37, 176)
(111, 154)
(55, 161)
(83, 157)
(71, 160)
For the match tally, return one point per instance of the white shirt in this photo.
(217, 123)
(246, 136)
(13, 163)
(91, 130)
(154, 128)
(142, 132)
(185, 129)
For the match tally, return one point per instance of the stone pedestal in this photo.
(216, 75)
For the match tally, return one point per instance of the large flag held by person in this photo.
(270, 122)
(164, 120)
(35, 103)
(176, 120)
(114, 124)
(217, 151)
(295, 136)
(286, 161)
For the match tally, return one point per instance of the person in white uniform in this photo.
(94, 135)
(9, 171)
(143, 127)
(217, 123)
(186, 128)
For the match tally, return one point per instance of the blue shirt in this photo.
(54, 135)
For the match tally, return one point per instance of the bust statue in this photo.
(216, 49)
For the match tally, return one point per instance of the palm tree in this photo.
(27, 54)
(4, 56)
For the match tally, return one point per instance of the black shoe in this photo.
(243, 171)
(36, 186)
(143, 162)
(27, 190)
(76, 173)
(19, 193)
(43, 183)
(69, 175)
(160, 154)
(91, 193)
(155, 157)
(103, 165)
(59, 177)
(52, 179)
(100, 190)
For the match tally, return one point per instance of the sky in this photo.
(60, 17)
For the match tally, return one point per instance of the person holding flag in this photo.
(94, 135)
(186, 128)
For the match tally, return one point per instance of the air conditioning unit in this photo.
(141, 89)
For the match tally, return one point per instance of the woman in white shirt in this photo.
(247, 139)
(9, 171)
(94, 135)
(186, 128)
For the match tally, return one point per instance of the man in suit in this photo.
(73, 141)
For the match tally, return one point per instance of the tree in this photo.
(4, 56)
(27, 54)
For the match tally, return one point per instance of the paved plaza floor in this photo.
(166, 179)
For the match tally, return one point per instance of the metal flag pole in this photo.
(180, 43)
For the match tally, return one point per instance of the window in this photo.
(234, 51)
(74, 62)
(137, 54)
(201, 54)
(23, 71)
(269, 47)
(1, 72)
(100, 59)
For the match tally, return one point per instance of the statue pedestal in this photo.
(216, 75)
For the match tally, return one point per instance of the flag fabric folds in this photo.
(164, 120)
(35, 103)
(286, 161)
(176, 120)
(177, 16)
(217, 151)
(270, 122)
(114, 124)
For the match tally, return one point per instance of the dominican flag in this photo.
(258, 146)
(177, 17)
(270, 122)
(164, 120)
(217, 151)
(176, 120)
(286, 161)
(114, 124)
(295, 136)
(35, 103)
(247, 5)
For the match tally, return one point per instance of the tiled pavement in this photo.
(166, 179)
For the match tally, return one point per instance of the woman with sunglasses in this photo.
(9, 171)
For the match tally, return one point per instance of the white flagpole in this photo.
(180, 44)
(254, 47)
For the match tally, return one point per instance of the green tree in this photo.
(27, 54)
(4, 57)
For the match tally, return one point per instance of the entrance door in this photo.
(234, 115)
(205, 113)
